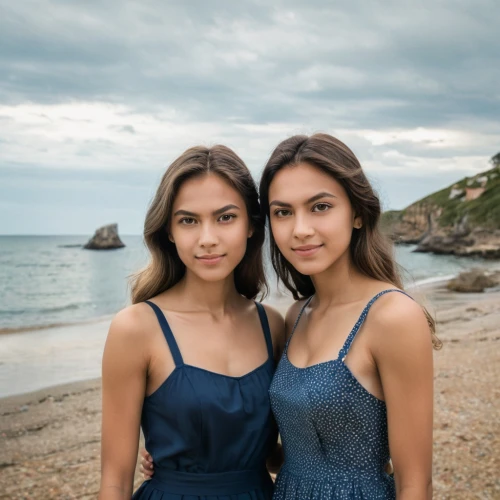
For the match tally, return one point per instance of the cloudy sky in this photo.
(97, 98)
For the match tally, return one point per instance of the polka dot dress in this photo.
(334, 432)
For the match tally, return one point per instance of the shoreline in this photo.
(48, 326)
(276, 302)
(83, 344)
(74, 351)
(426, 292)
(37, 359)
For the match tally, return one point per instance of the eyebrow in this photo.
(312, 199)
(219, 211)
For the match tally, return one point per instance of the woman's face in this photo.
(311, 218)
(209, 227)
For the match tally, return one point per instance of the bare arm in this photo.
(124, 370)
(403, 354)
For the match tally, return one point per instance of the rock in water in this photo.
(105, 238)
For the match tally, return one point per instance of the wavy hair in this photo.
(371, 252)
(165, 268)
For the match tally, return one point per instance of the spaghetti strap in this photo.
(297, 321)
(267, 330)
(169, 336)
(347, 344)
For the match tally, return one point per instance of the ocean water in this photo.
(46, 280)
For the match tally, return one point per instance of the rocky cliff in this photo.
(462, 219)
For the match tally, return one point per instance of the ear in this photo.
(250, 232)
(171, 238)
(358, 223)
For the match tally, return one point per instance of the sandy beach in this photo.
(50, 438)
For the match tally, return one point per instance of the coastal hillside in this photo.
(462, 219)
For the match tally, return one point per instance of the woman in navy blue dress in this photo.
(192, 359)
(354, 387)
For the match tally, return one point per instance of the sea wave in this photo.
(432, 280)
(32, 265)
(35, 327)
(43, 310)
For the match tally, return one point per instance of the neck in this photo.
(215, 297)
(339, 284)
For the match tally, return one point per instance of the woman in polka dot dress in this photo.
(354, 388)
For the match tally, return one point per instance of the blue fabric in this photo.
(333, 431)
(209, 434)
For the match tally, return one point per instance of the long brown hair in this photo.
(165, 268)
(371, 252)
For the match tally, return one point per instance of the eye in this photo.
(282, 212)
(226, 218)
(321, 207)
(187, 221)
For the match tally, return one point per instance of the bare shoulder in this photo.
(397, 320)
(127, 351)
(276, 325)
(131, 325)
(396, 309)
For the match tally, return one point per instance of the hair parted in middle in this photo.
(165, 268)
(370, 250)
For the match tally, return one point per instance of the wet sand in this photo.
(50, 438)
(34, 359)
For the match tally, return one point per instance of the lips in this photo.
(210, 259)
(307, 250)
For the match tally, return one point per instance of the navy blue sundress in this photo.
(209, 434)
(333, 431)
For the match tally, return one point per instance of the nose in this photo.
(208, 236)
(302, 228)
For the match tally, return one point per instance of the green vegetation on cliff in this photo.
(455, 202)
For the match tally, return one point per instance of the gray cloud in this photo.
(248, 74)
(224, 59)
